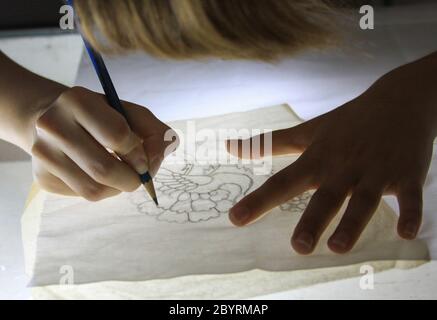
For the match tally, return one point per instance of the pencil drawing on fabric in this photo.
(194, 194)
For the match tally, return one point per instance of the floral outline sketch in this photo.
(194, 194)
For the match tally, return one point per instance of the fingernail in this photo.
(140, 164)
(305, 241)
(410, 229)
(340, 240)
(239, 215)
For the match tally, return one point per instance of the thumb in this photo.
(285, 141)
(137, 158)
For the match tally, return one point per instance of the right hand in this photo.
(71, 138)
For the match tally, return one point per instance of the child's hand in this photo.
(69, 141)
(379, 143)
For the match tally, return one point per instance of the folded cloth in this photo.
(127, 239)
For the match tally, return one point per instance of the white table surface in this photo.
(15, 182)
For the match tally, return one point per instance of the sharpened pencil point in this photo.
(150, 188)
(156, 202)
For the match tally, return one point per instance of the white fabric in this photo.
(256, 284)
(249, 284)
(127, 238)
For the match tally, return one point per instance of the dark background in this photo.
(30, 14)
(27, 14)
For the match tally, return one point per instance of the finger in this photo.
(410, 207)
(159, 140)
(157, 147)
(50, 182)
(280, 142)
(87, 153)
(286, 184)
(322, 207)
(59, 165)
(109, 128)
(362, 205)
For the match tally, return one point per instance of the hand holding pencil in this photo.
(135, 157)
(68, 132)
(70, 142)
(141, 165)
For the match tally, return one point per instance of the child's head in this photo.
(181, 29)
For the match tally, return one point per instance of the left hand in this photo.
(379, 143)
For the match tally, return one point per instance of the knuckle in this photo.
(120, 133)
(45, 180)
(48, 120)
(93, 192)
(78, 90)
(311, 162)
(38, 149)
(73, 99)
(328, 195)
(101, 170)
(412, 189)
(73, 94)
(278, 180)
(366, 195)
(313, 155)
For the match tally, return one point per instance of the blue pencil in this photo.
(114, 102)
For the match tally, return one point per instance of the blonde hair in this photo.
(230, 29)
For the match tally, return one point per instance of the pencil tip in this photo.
(151, 191)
